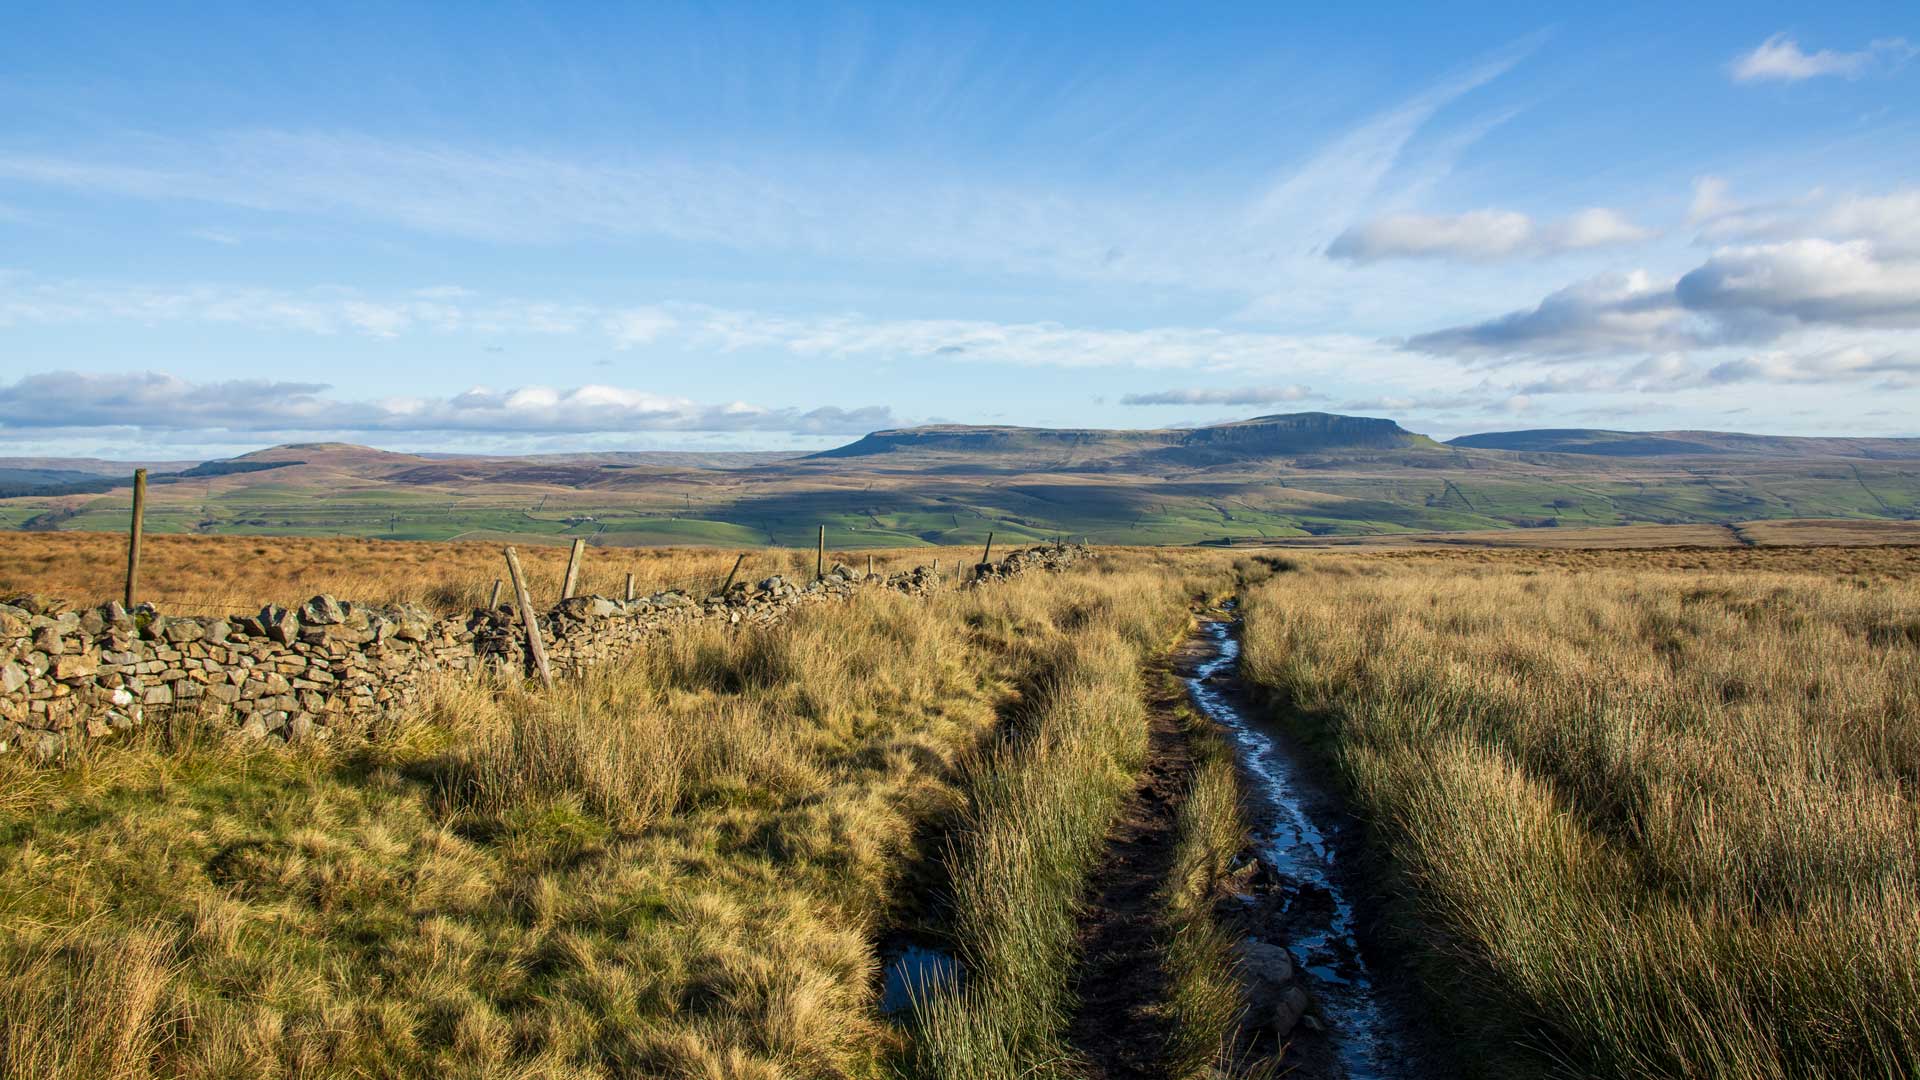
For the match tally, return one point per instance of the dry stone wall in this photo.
(301, 673)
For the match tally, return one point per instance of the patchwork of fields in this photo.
(953, 486)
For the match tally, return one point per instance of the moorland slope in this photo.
(1271, 477)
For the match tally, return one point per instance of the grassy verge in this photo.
(674, 868)
(1204, 994)
(1668, 819)
(1038, 810)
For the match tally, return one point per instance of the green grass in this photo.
(1347, 500)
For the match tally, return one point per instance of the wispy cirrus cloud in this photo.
(1239, 395)
(1781, 59)
(897, 210)
(1483, 235)
(159, 401)
(672, 324)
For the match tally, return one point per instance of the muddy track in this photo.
(1122, 1029)
(1329, 908)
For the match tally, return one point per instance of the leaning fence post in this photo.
(728, 584)
(573, 568)
(493, 598)
(133, 535)
(820, 557)
(527, 618)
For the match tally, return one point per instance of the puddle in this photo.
(1294, 841)
(912, 972)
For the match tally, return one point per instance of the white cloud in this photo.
(1781, 59)
(1709, 199)
(1848, 263)
(1811, 280)
(1891, 221)
(156, 401)
(1242, 395)
(638, 326)
(1593, 228)
(1899, 365)
(1486, 401)
(1610, 313)
(1478, 234)
(1483, 235)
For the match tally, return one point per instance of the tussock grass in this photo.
(670, 868)
(1670, 816)
(83, 1003)
(1038, 809)
(1204, 994)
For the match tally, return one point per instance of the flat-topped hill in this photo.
(1257, 438)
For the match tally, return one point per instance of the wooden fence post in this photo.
(525, 603)
(869, 566)
(133, 535)
(728, 584)
(987, 555)
(572, 579)
(493, 598)
(820, 557)
(629, 586)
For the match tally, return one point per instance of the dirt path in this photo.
(1120, 1032)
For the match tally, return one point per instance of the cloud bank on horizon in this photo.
(694, 228)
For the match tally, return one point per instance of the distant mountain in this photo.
(1687, 444)
(1269, 477)
(1261, 438)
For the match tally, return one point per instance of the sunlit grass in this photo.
(1670, 816)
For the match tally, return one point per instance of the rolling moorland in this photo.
(1605, 813)
(1306, 475)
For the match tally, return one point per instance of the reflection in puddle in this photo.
(914, 972)
(1318, 914)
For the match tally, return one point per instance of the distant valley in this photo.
(1271, 477)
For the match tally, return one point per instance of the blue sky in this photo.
(527, 228)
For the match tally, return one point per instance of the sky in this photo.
(522, 228)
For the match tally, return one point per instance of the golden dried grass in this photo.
(223, 575)
(672, 868)
(1670, 816)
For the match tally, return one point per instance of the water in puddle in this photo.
(912, 973)
(1320, 915)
